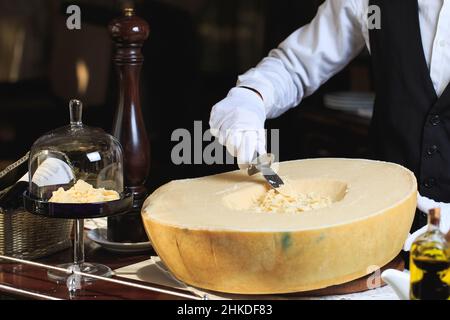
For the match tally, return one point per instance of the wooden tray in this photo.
(359, 285)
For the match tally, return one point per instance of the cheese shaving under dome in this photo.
(83, 192)
(290, 202)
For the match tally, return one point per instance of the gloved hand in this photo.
(425, 205)
(238, 122)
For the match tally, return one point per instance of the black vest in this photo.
(411, 125)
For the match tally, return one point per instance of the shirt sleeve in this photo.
(308, 57)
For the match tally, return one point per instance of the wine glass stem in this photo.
(78, 243)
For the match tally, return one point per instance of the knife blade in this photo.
(262, 164)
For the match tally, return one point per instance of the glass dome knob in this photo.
(76, 113)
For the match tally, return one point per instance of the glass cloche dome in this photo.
(73, 153)
(76, 172)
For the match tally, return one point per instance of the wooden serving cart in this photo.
(28, 279)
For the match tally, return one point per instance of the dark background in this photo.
(196, 50)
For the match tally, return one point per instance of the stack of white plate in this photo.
(356, 102)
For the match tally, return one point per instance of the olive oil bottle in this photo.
(430, 263)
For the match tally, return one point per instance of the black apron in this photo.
(411, 125)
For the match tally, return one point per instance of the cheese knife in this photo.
(263, 164)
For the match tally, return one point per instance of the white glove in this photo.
(238, 122)
(425, 205)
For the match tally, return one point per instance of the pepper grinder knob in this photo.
(129, 32)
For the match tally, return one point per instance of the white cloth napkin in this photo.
(155, 272)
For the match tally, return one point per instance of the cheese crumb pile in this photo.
(83, 192)
(290, 202)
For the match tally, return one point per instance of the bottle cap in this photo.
(435, 216)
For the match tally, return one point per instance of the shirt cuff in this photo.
(252, 80)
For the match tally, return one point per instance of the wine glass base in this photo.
(89, 268)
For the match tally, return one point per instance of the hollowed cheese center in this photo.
(294, 197)
(358, 189)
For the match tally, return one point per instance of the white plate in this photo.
(349, 101)
(99, 236)
(365, 113)
(352, 96)
(348, 104)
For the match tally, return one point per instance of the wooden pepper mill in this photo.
(129, 32)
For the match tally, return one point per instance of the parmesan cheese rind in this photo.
(209, 236)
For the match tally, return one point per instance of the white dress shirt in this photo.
(338, 33)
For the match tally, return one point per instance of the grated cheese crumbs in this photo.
(83, 192)
(276, 202)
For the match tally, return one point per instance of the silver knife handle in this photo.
(260, 163)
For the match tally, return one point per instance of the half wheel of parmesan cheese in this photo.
(214, 233)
